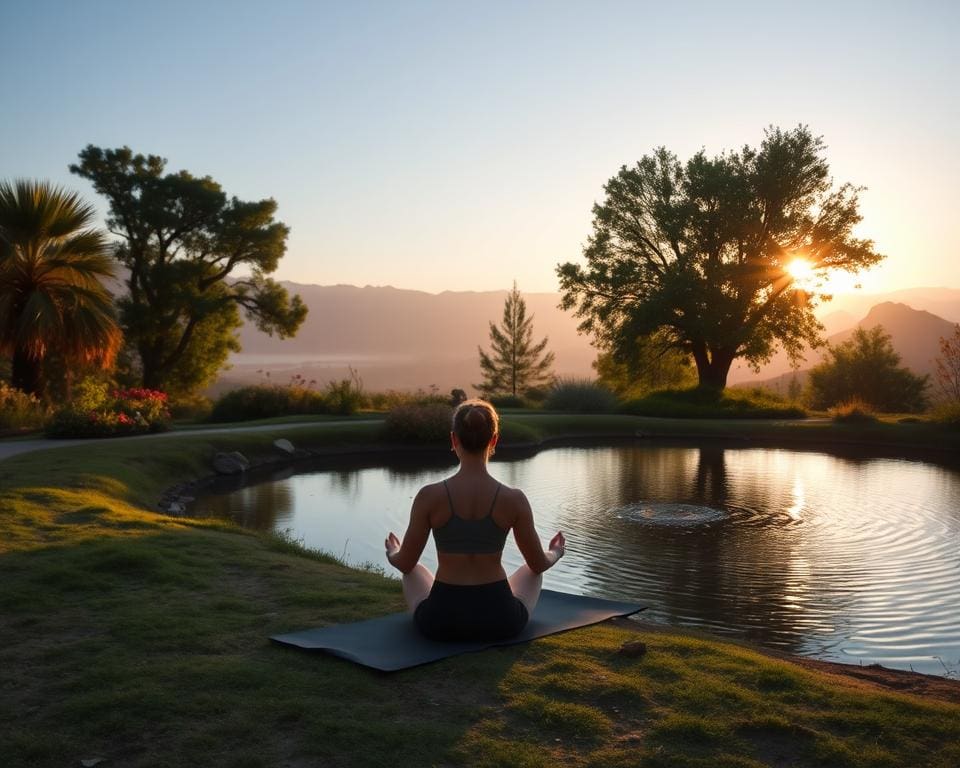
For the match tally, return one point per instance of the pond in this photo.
(849, 558)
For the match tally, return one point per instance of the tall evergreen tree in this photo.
(515, 362)
(52, 300)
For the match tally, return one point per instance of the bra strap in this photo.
(449, 497)
(493, 503)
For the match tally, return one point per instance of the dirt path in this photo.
(14, 447)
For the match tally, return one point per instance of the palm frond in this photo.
(51, 265)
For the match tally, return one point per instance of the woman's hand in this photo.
(392, 544)
(558, 547)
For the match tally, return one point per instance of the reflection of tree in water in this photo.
(344, 482)
(710, 484)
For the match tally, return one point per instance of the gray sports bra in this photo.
(470, 537)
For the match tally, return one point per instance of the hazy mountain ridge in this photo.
(404, 339)
(914, 334)
(842, 314)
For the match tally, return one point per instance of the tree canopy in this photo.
(695, 255)
(193, 257)
(52, 300)
(867, 368)
(515, 362)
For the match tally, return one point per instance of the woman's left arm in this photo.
(404, 556)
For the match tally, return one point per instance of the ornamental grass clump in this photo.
(580, 396)
(429, 423)
(853, 411)
(97, 411)
(18, 410)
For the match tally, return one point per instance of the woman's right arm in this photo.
(404, 555)
(525, 534)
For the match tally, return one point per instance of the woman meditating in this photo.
(470, 515)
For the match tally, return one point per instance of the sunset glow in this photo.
(803, 274)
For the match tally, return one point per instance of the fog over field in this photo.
(407, 340)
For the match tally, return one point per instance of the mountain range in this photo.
(405, 339)
(914, 335)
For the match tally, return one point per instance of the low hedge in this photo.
(713, 404)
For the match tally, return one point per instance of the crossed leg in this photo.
(526, 586)
(416, 586)
(524, 583)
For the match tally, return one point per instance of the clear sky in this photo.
(455, 145)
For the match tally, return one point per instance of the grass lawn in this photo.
(140, 639)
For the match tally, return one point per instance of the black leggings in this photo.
(471, 612)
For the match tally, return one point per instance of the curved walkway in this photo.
(15, 447)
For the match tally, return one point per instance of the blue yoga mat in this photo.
(390, 643)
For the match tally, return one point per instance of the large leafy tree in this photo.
(185, 244)
(867, 368)
(515, 363)
(52, 300)
(695, 255)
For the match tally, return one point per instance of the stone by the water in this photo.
(232, 463)
(282, 444)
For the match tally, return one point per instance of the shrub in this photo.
(853, 411)
(947, 414)
(536, 394)
(18, 410)
(702, 403)
(264, 402)
(118, 413)
(386, 401)
(428, 423)
(344, 397)
(90, 394)
(507, 401)
(191, 408)
(580, 396)
(867, 368)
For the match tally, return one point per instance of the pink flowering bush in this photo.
(98, 412)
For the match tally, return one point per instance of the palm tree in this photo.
(51, 297)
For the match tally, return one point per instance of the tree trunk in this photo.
(151, 376)
(25, 375)
(712, 370)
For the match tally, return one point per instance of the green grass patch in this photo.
(141, 639)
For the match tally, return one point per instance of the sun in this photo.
(802, 272)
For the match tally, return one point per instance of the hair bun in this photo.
(475, 423)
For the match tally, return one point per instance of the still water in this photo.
(852, 559)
